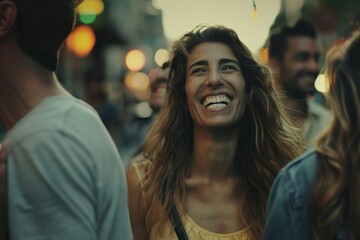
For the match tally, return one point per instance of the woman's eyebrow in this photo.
(227, 60)
(221, 61)
(199, 63)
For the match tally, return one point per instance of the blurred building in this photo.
(107, 31)
(121, 26)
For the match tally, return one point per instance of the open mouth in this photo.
(218, 101)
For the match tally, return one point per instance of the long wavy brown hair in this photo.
(335, 198)
(266, 140)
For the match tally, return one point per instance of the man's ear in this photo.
(8, 13)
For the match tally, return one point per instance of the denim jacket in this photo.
(287, 208)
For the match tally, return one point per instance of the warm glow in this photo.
(81, 41)
(264, 55)
(135, 60)
(91, 7)
(320, 84)
(142, 95)
(143, 110)
(161, 56)
(137, 81)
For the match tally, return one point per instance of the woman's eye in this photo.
(198, 70)
(229, 68)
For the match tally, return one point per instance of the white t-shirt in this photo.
(65, 176)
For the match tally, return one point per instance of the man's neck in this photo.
(22, 90)
(297, 109)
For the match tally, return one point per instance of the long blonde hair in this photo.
(335, 196)
(266, 142)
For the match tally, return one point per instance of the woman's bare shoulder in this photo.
(137, 170)
(134, 176)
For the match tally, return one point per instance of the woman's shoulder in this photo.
(137, 170)
(134, 175)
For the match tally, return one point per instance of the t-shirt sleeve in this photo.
(113, 213)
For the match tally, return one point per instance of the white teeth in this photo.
(217, 105)
(216, 101)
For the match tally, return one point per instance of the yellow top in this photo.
(193, 230)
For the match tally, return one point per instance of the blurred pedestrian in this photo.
(158, 83)
(96, 94)
(294, 57)
(317, 195)
(214, 148)
(65, 177)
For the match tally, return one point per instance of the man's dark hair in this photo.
(42, 26)
(278, 40)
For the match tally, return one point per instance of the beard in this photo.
(301, 85)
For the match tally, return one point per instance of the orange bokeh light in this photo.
(81, 41)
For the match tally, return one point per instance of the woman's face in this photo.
(215, 86)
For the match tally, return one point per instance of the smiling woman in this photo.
(216, 146)
(214, 86)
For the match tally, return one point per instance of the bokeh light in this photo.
(81, 41)
(135, 60)
(92, 7)
(142, 95)
(161, 56)
(87, 18)
(321, 84)
(137, 81)
(143, 110)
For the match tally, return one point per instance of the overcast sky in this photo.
(180, 16)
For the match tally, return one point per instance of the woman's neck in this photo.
(214, 152)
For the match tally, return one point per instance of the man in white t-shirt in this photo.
(65, 178)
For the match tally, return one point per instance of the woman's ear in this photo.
(8, 14)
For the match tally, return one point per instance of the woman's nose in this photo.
(214, 78)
